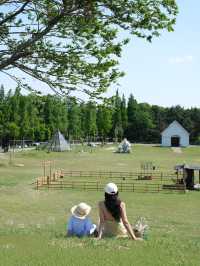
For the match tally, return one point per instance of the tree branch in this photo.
(10, 76)
(37, 36)
(13, 15)
(29, 71)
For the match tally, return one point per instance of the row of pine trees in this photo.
(33, 117)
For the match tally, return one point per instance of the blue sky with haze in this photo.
(166, 71)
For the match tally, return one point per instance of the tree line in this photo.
(36, 118)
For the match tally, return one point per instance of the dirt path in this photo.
(176, 149)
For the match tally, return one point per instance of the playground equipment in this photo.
(147, 171)
(50, 174)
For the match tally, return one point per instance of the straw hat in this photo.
(81, 210)
(111, 188)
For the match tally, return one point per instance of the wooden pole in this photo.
(10, 157)
(48, 181)
(50, 165)
(44, 166)
(13, 150)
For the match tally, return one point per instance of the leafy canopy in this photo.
(73, 45)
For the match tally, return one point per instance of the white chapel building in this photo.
(175, 136)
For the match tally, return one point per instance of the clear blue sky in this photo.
(167, 71)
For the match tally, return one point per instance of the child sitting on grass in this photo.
(79, 223)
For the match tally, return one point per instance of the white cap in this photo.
(111, 188)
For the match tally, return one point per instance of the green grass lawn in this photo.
(32, 223)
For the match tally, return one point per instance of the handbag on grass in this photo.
(140, 228)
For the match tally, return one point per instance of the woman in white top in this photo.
(112, 213)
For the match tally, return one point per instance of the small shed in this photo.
(188, 174)
(175, 135)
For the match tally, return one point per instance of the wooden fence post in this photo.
(121, 175)
(60, 184)
(48, 181)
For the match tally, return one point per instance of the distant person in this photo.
(79, 223)
(113, 219)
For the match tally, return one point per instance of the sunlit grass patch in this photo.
(33, 223)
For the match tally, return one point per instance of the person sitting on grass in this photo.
(112, 214)
(79, 223)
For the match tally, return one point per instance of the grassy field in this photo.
(32, 223)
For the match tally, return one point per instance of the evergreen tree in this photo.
(2, 93)
(74, 129)
(90, 120)
(117, 118)
(124, 116)
(24, 118)
(144, 123)
(131, 114)
(104, 121)
(36, 118)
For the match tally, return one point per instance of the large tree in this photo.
(73, 45)
(117, 118)
(104, 121)
(74, 116)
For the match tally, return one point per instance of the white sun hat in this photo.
(111, 188)
(81, 210)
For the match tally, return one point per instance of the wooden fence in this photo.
(157, 175)
(98, 179)
(99, 186)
